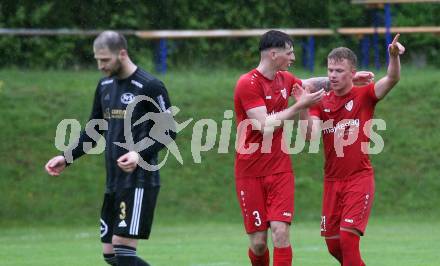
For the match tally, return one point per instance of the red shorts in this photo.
(264, 199)
(346, 203)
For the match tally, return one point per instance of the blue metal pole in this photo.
(376, 40)
(161, 57)
(311, 53)
(304, 54)
(387, 29)
(365, 48)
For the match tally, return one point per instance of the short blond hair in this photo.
(341, 53)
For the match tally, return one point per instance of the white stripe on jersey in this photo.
(137, 206)
(161, 103)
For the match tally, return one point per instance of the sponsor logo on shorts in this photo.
(323, 229)
(287, 214)
(122, 224)
(349, 221)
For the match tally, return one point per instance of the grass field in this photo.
(389, 242)
(50, 220)
(34, 102)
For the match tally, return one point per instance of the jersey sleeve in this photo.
(292, 79)
(315, 110)
(161, 127)
(297, 80)
(77, 149)
(371, 94)
(248, 94)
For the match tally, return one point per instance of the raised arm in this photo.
(385, 84)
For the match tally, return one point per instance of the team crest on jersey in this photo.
(284, 93)
(127, 98)
(349, 105)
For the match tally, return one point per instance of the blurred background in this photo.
(47, 78)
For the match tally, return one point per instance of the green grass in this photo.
(34, 102)
(50, 220)
(389, 242)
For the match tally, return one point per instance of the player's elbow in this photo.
(394, 79)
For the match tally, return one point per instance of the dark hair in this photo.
(341, 53)
(112, 40)
(275, 39)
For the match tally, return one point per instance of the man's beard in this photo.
(116, 70)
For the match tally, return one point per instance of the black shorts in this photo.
(128, 213)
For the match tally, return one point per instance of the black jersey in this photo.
(112, 97)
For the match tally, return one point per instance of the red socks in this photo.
(259, 260)
(282, 256)
(350, 249)
(334, 247)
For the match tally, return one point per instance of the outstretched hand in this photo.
(395, 48)
(303, 96)
(362, 78)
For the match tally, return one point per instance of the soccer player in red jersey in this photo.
(263, 171)
(346, 113)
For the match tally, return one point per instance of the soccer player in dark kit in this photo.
(132, 183)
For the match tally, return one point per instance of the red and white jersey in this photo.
(254, 90)
(344, 130)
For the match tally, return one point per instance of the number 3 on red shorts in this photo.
(257, 218)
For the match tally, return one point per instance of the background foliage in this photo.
(34, 101)
(46, 52)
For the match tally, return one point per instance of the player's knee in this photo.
(258, 247)
(110, 259)
(280, 235)
(119, 240)
(258, 242)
